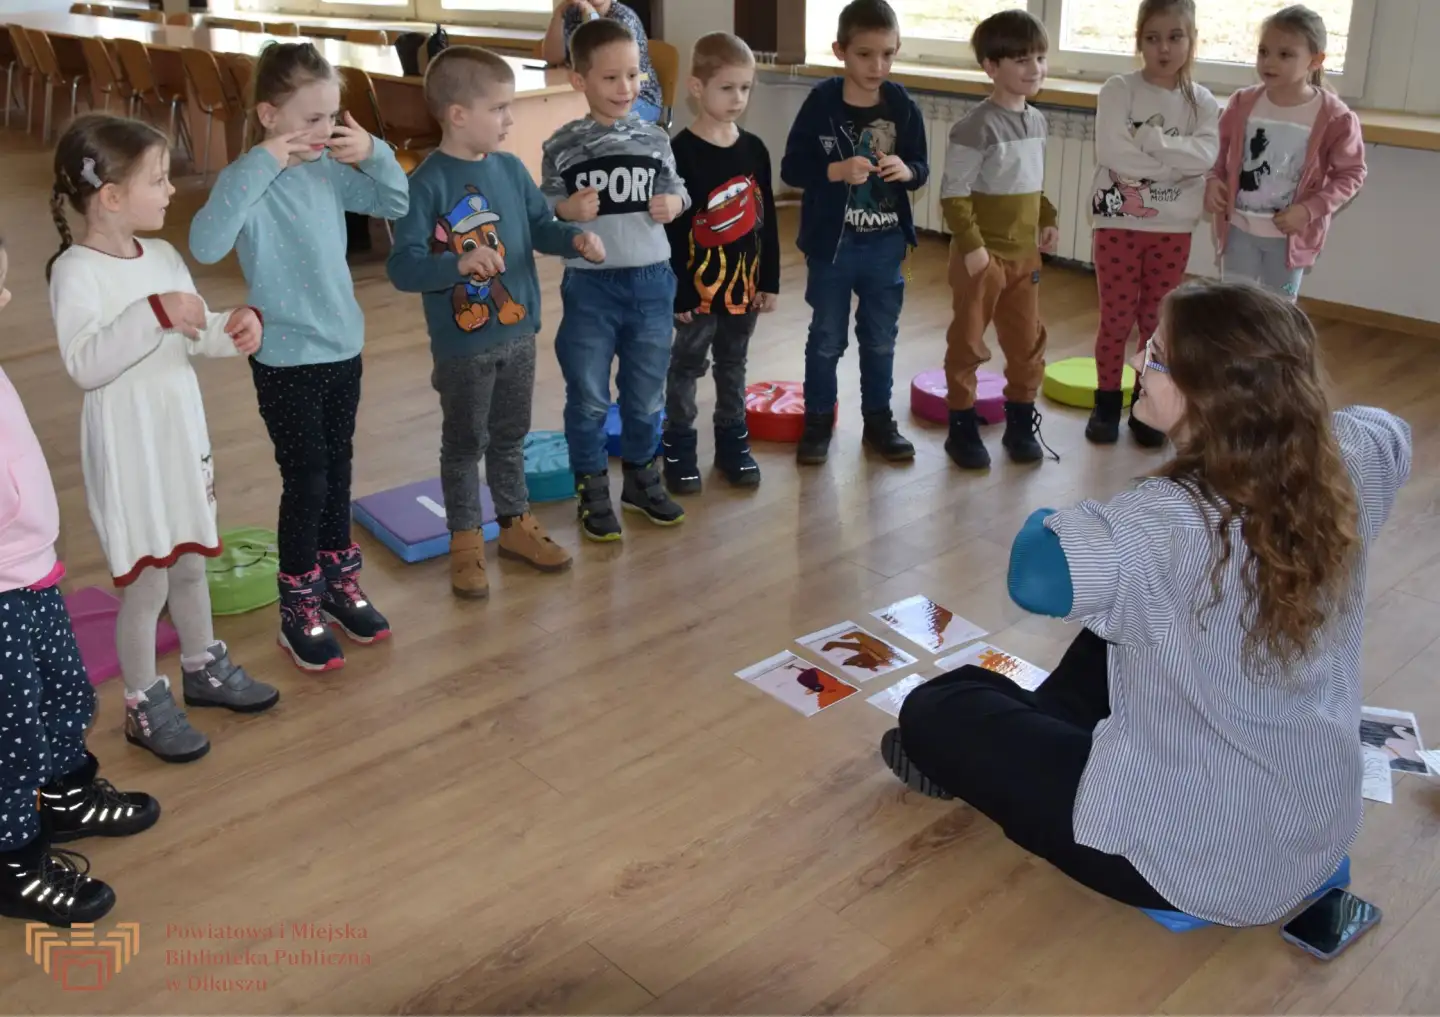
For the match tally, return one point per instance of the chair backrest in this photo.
(135, 63)
(100, 10)
(359, 93)
(79, 8)
(368, 36)
(665, 58)
(286, 28)
(104, 79)
(23, 52)
(236, 70)
(153, 17)
(45, 61)
(180, 20)
(204, 75)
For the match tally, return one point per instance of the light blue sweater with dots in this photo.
(288, 228)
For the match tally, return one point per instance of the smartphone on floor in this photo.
(1331, 923)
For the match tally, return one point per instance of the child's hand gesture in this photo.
(1049, 239)
(1292, 220)
(853, 171)
(350, 143)
(284, 147)
(186, 312)
(764, 303)
(582, 206)
(590, 247)
(481, 263)
(665, 207)
(893, 170)
(1217, 197)
(245, 330)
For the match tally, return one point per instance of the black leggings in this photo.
(309, 411)
(1017, 756)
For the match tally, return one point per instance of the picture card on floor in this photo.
(925, 623)
(860, 654)
(1396, 734)
(894, 697)
(1432, 760)
(992, 658)
(797, 683)
(1376, 785)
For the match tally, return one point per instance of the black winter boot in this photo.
(814, 447)
(883, 435)
(964, 445)
(344, 603)
(682, 465)
(732, 455)
(642, 492)
(596, 512)
(82, 804)
(1022, 437)
(1145, 436)
(1104, 425)
(303, 632)
(40, 883)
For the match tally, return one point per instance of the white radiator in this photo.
(1069, 169)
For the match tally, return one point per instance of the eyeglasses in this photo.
(1151, 364)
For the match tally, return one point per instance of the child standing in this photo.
(1291, 156)
(1156, 134)
(282, 207)
(1001, 220)
(49, 789)
(726, 258)
(857, 145)
(468, 242)
(128, 320)
(618, 172)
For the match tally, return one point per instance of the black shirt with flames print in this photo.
(726, 247)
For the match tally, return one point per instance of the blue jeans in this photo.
(1260, 260)
(647, 110)
(609, 313)
(867, 266)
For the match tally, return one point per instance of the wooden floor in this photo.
(562, 800)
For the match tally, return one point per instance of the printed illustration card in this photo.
(859, 654)
(925, 623)
(1378, 783)
(797, 683)
(1396, 734)
(894, 697)
(992, 658)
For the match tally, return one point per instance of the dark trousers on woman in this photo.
(1017, 756)
(309, 410)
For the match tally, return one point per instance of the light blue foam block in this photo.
(1179, 921)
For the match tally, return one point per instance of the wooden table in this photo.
(544, 99)
(513, 40)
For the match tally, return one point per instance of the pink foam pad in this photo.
(92, 614)
(928, 391)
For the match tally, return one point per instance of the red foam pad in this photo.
(928, 392)
(92, 615)
(775, 410)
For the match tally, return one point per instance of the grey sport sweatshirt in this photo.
(628, 163)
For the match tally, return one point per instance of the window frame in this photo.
(500, 15)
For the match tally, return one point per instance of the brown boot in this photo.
(526, 540)
(467, 565)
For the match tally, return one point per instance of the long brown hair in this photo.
(1186, 9)
(282, 69)
(95, 150)
(1302, 21)
(1255, 444)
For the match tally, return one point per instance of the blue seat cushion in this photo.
(1179, 921)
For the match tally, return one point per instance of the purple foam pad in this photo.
(92, 615)
(415, 513)
(928, 393)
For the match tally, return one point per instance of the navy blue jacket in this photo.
(816, 141)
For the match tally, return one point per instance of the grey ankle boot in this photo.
(153, 721)
(224, 683)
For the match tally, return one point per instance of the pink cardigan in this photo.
(1333, 172)
(29, 515)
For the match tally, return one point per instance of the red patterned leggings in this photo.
(1134, 270)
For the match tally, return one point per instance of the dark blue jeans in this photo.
(867, 266)
(610, 313)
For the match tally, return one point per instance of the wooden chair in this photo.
(368, 37)
(104, 76)
(288, 29)
(16, 56)
(209, 93)
(79, 8)
(101, 11)
(234, 24)
(236, 70)
(665, 58)
(147, 95)
(180, 20)
(151, 17)
(48, 67)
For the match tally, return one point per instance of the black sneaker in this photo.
(303, 632)
(732, 455)
(900, 765)
(598, 520)
(644, 493)
(343, 602)
(1103, 427)
(1144, 435)
(1022, 438)
(40, 883)
(682, 465)
(883, 435)
(814, 447)
(963, 444)
(81, 804)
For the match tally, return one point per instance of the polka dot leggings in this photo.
(309, 411)
(1134, 270)
(45, 704)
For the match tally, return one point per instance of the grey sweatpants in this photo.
(1260, 260)
(725, 338)
(485, 410)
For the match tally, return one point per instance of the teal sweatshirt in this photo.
(456, 205)
(288, 228)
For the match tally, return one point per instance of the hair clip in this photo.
(88, 174)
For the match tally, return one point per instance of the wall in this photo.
(16, 6)
(686, 21)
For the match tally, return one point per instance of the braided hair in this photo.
(95, 150)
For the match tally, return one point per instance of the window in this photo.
(1096, 38)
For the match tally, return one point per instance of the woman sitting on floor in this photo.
(1197, 749)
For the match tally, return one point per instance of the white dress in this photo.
(145, 450)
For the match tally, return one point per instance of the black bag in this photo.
(409, 44)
